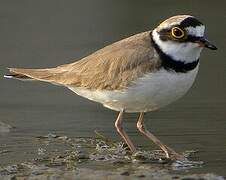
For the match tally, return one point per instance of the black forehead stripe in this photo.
(190, 21)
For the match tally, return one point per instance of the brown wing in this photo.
(113, 67)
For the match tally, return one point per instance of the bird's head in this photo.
(182, 38)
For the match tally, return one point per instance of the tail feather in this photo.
(18, 76)
(46, 75)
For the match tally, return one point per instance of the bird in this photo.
(138, 74)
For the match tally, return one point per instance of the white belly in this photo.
(148, 93)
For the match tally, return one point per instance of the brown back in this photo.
(113, 67)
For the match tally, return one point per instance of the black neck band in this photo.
(170, 64)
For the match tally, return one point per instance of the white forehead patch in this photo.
(197, 31)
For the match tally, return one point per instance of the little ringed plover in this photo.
(138, 74)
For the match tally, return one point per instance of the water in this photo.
(49, 33)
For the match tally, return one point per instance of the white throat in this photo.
(186, 52)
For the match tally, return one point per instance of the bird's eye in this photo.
(177, 32)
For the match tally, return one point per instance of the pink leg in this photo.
(170, 153)
(118, 125)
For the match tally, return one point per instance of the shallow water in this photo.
(61, 157)
(41, 34)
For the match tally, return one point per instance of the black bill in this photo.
(205, 43)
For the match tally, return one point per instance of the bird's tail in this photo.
(32, 74)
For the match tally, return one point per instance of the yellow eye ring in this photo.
(177, 32)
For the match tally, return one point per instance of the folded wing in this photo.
(112, 67)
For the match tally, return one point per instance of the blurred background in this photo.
(48, 33)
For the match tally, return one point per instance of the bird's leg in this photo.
(118, 125)
(170, 153)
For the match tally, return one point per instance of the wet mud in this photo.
(61, 157)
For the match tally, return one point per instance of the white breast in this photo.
(148, 93)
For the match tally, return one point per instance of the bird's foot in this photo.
(171, 154)
(177, 157)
